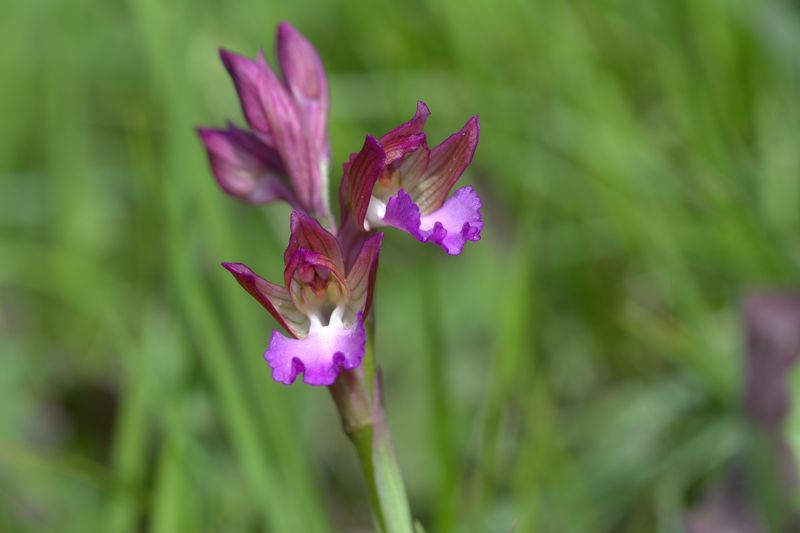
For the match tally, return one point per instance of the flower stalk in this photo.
(357, 395)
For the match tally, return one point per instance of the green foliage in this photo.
(579, 369)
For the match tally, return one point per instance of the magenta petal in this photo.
(309, 234)
(303, 258)
(360, 175)
(319, 356)
(300, 64)
(274, 298)
(305, 78)
(448, 161)
(290, 118)
(450, 226)
(413, 126)
(290, 140)
(361, 276)
(406, 137)
(245, 74)
(401, 148)
(244, 167)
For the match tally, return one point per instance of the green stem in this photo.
(358, 399)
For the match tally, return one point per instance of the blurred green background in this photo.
(579, 369)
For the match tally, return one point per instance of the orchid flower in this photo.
(321, 305)
(285, 155)
(410, 193)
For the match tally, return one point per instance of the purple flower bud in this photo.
(245, 74)
(288, 119)
(305, 77)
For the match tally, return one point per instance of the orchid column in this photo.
(324, 303)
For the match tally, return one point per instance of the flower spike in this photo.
(321, 305)
(329, 271)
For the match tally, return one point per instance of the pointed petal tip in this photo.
(203, 132)
(286, 30)
(374, 148)
(237, 269)
(302, 67)
(371, 150)
(307, 232)
(408, 137)
(472, 126)
(209, 135)
(274, 298)
(249, 76)
(232, 60)
(423, 109)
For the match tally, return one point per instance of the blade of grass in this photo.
(441, 415)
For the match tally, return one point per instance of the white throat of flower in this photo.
(335, 323)
(375, 213)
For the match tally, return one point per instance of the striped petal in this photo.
(448, 161)
(274, 298)
(244, 167)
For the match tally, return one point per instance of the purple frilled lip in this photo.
(398, 181)
(321, 304)
(285, 155)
